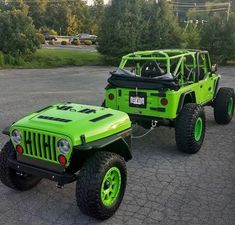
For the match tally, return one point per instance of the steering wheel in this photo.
(152, 69)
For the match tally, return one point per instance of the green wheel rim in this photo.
(230, 106)
(198, 129)
(111, 186)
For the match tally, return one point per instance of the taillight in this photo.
(164, 101)
(62, 160)
(19, 149)
(111, 96)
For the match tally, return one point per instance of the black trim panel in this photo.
(101, 117)
(158, 109)
(54, 119)
(160, 94)
(87, 111)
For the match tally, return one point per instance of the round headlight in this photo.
(63, 146)
(16, 137)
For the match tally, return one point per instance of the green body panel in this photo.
(203, 90)
(93, 123)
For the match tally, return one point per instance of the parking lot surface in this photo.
(165, 186)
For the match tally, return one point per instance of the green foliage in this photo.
(41, 38)
(63, 42)
(218, 37)
(17, 34)
(128, 26)
(15, 61)
(88, 42)
(192, 37)
(120, 28)
(2, 61)
(160, 28)
(48, 30)
(72, 25)
(75, 42)
(47, 58)
(96, 13)
(51, 42)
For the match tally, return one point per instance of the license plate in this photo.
(138, 99)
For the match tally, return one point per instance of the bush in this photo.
(88, 42)
(2, 61)
(48, 30)
(41, 38)
(17, 34)
(75, 42)
(51, 42)
(11, 60)
(63, 42)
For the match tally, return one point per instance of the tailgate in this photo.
(140, 101)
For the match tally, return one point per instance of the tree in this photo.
(37, 10)
(12, 5)
(17, 34)
(192, 36)
(137, 25)
(72, 27)
(160, 28)
(218, 36)
(120, 28)
(96, 14)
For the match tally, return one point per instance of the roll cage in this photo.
(186, 66)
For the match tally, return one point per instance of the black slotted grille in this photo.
(40, 146)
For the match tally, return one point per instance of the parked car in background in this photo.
(84, 37)
(49, 37)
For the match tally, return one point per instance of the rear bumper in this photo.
(60, 178)
(139, 119)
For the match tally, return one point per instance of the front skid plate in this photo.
(60, 178)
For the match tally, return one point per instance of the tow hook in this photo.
(154, 123)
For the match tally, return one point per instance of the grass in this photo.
(49, 58)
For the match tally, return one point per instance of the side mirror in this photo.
(214, 68)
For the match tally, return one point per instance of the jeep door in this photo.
(205, 80)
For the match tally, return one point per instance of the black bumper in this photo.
(60, 178)
(140, 119)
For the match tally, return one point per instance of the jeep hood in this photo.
(75, 120)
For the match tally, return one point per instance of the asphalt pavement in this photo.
(165, 186)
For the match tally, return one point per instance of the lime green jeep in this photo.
(170, 88)
(71, 142)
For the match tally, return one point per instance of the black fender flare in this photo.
(6, 131)
(181, 101)
(118, 143)
(216, 88)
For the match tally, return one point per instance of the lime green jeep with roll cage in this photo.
(170, 88)
(71, 142)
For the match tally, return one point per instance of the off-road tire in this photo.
(89, 184)
(222, 114)
(9, 177)
(185, 128)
